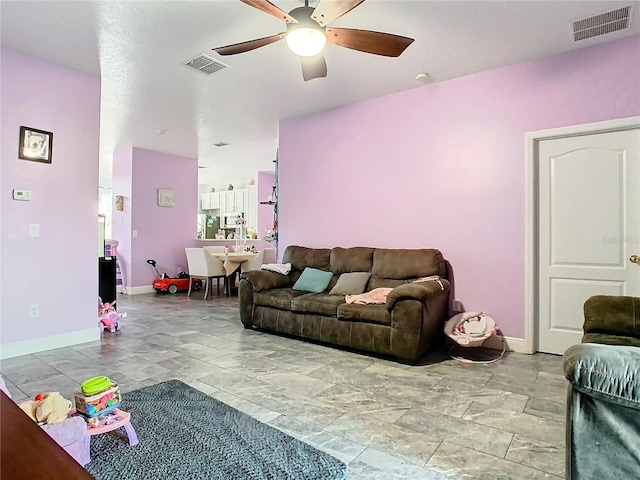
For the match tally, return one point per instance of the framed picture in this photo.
(166, 197)
(35, 145)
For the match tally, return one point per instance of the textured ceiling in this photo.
(137, 47)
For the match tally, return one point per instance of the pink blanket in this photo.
(375, 296)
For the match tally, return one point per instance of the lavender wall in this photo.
(62, 262)
(443, 166)
(163, 232)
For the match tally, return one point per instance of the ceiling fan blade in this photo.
(328, 10)
(369, 41)
(314, 67)
(271, 9)
(250, 45)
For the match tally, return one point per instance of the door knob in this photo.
(634, 259)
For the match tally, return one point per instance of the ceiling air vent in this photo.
(607, 22)
(205, 64)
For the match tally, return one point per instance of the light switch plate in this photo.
(34, 230)
(24, 195)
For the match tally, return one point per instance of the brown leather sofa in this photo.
(406, 326)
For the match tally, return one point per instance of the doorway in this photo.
(583, 225)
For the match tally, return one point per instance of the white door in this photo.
(588, 227)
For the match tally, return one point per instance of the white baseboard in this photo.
(517, 345)
(139, 290)
(41, 344)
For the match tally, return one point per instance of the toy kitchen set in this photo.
(220, 213)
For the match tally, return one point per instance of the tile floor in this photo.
(387, 421)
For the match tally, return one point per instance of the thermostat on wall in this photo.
(21, 194)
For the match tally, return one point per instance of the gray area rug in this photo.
(185, 434)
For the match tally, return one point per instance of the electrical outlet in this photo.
(457, 306)
(34, 311)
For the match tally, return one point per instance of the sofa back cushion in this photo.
(303, 257)
(389, 267)
(393, 267)
(354, 259)
(612, 315)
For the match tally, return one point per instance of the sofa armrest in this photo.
(612, 315)
(420, 291)
(265, 280)
(605, 372)
(68, 431)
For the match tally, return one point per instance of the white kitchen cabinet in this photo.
(251, 207)
(235, 201)
(210, 201)
(215, 200)
(230, 202)
(240, 200)
(205, 203)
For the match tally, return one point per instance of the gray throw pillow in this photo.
(352, 283)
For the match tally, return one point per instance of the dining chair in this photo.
(269, 255)
(205, 266)
(254, 263)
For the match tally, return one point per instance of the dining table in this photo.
(232, 262)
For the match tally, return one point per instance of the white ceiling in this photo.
(137, 48)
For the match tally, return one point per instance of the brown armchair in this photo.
(603, 405)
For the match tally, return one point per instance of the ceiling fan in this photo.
(307, 34)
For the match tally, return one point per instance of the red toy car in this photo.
(173, 285)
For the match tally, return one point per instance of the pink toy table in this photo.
(119, 419)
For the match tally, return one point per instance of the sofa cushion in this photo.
(313, 280)
(613, 315)
(318, 303)
(301, 257)
(404, 263)
(279, 298)
(352, 283)
(352, 312)
(354, 259)
(610, 339)
(377, 282)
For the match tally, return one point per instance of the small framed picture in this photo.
(166, 197)
(36, 145)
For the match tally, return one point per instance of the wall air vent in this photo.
(602, 24)
(205, 64)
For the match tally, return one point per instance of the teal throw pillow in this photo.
(313, 280)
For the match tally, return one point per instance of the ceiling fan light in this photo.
(306, 41)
